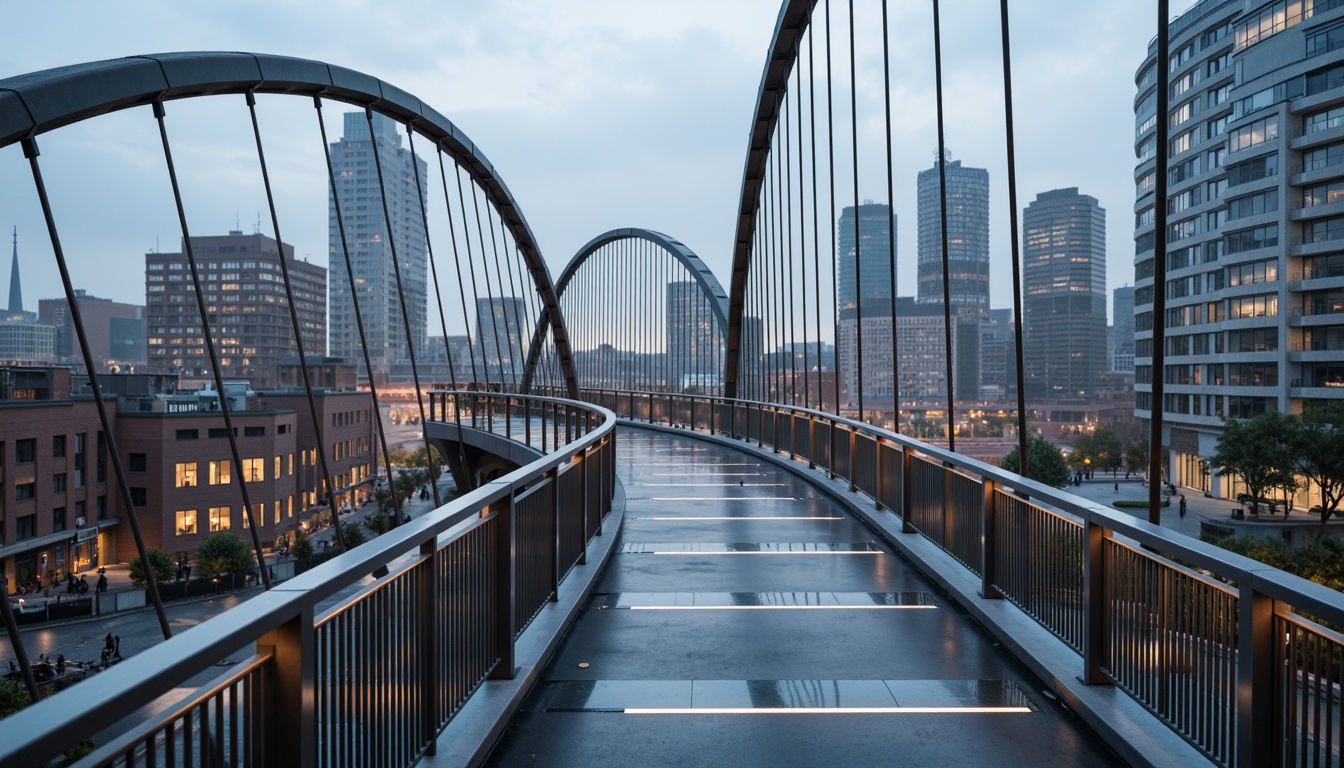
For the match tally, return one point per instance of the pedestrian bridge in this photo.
(727, 581)
(681, 539)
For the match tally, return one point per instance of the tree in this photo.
(224, 552)
(1102, 448)
(352, 536)
(1136, 456)
(159, 561)
(1318, 446)
(1259, 451)
(14, 697)
(1045, 463)
(302, 547)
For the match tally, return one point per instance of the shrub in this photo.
(161, 562)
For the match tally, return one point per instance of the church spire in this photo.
(15, 289)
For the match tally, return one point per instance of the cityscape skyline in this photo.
(488, 99)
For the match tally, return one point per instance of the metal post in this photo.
(293, 691)
(907, 458)
(1255, 677)
(505, 546)
(428, 629)
(989, 519)
(1096, 617)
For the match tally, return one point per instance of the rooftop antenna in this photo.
(257, 230)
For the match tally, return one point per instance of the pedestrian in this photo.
(102, 583)
(1182, 507)
(1117, 487)
(116, 649)
(742, 481)
(83, 585)
(60, 664)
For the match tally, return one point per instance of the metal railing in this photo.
(374, 679)
(1233, 655)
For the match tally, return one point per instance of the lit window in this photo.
(219, 519)
(186, 522)
(186, 474)
(219, 472)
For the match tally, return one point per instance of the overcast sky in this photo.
(598, 114)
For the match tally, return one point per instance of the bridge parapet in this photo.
(349, 670)
(1219, 648)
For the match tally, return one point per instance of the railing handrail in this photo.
(1303, 594)
(111, 695)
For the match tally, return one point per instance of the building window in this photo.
(58, 519)
(25, 451)
(291, 464)
(186, 522)
(25, 491)
(278, 468)
(188, 434)
(219, 472)
(186, 474)
(139, 497)
(254, 470)
(58, 483)
(58, 447)
(25, 527)
(1254, 133)
(219, 519)
(139, 463)
(254, 431)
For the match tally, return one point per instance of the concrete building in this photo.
(245, 294)
(1120, 343)
(998, 356)
(920, 342)
(694, 343)
(1255, 235)
(1064, 301)
(371, 244)
(55, 513)
(968, 260)
(865, 266)
(116, 331)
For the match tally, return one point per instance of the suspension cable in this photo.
(189, 249)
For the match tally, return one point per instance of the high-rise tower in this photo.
(867, 268)
(967, 239)
(968, 261)
(371, 247)
(1064, 307)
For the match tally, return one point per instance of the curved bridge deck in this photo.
(748, 620)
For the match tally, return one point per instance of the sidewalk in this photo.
(1198, 508)
(119, 574)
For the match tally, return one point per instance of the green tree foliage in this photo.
(1322, 561)
(352, 536)
(1136, 456)
(1260, 452)
(14, 697)
(224, 552)
(1101, 450)
(161, 562)
(1045, 462)
(1317, 440)
(302, 546)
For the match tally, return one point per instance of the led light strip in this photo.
(827, 711)
(782, 607)
(732, 517)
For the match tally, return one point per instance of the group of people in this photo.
(80, 586)
(111, 649)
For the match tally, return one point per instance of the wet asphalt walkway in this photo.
(746, 620)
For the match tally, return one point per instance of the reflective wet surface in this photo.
(739, 590)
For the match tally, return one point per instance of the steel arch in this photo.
(709, 284)
(38, 102)
(794, 18)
